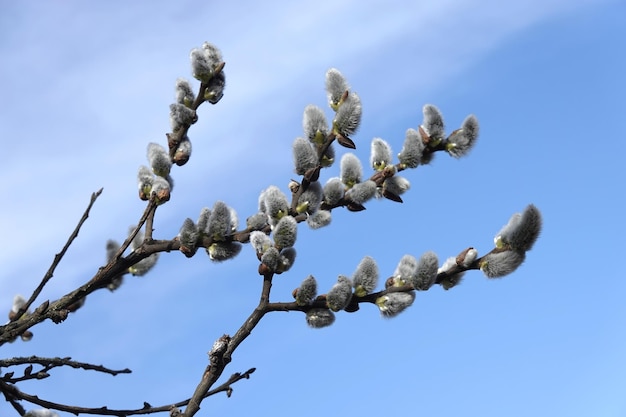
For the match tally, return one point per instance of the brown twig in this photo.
(57, 258)
(219, 362)
(13, 395)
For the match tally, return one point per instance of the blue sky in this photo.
(87, 85)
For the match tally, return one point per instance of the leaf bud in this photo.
(406, 268)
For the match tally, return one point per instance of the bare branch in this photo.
(57, 258)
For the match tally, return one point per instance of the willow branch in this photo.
(57, 258)
(220, 357)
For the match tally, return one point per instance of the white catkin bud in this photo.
(18, 302)
(285, 232)
(221, 251)
(406, 269)
(184, 92)
(145, 179)
(380, 155)
(287, 259)
(304, 156)
(362, 192)
(213, 53)
(214, 90)
(137, 240)
(462, 140)
(433, 122)
(340, 294)
(320, 317)
(234, 220)
(219, 222)
(41, 412)
(522, 230)
(271, 258)
(188, 237)
(200, 65)
(142, 267)
(397, 185)
(499, 264)
(310, 200)
(161, 188)
(348, 116)
(351, 169)
(365, 278)
(275, 204)
(319, 219)
(183, 151)
(203, 220)
(314, 124)
(260, 241)
(447, 265)
(392, 304)
(256, 222)
(111, 249)
(336, 86)
(181, 116)
(159, 159)
(307, 291)
(333, 191)
(426, 272)
(411, 153)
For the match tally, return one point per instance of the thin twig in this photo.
(13, 394)
(57, 258)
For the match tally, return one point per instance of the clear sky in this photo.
(86, 85)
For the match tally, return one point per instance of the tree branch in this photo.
(57, 258)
